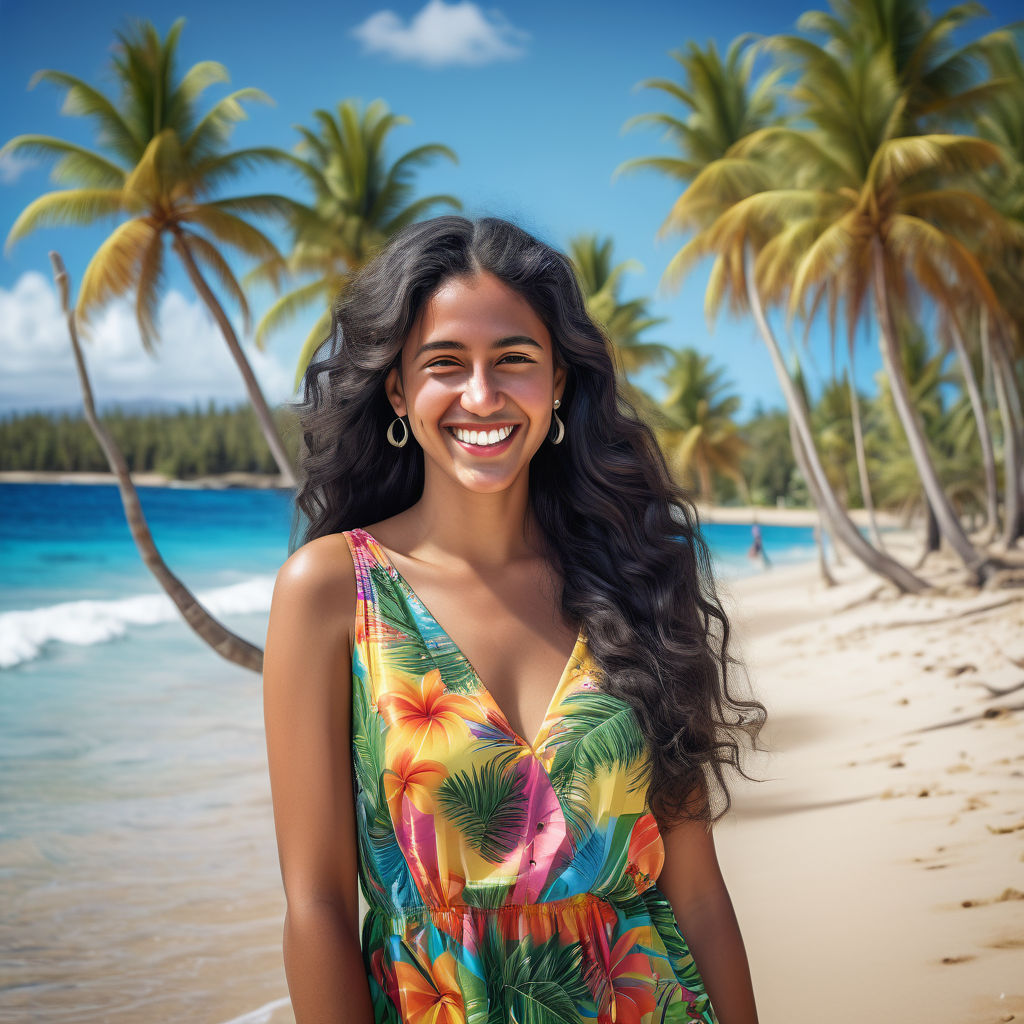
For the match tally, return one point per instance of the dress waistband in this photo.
(554, 908)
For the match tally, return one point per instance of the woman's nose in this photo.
(481, 392)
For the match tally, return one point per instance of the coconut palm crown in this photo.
(359, 201)
(160, 163)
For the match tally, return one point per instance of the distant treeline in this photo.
(195, 442)
(182, 444)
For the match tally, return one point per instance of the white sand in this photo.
(850, 865)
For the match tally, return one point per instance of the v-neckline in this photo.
(545, 722)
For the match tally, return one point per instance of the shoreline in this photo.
(767, 515)
(219, 481)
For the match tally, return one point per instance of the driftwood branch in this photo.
(227, 644)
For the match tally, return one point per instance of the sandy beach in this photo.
(878, 871)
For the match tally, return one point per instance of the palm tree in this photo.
(887, 210)
(725, 111)
(160, 163)
(214, 633)
(703, 438)
(600, 280)
(359, 202)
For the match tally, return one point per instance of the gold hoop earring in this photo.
(560, 426)
(391, 427)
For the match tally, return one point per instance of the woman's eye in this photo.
(448, 359)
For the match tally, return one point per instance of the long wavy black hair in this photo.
(623, 535)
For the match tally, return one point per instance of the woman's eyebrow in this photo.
(509, 342)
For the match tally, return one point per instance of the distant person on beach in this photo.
(757, 547)
(494, 681)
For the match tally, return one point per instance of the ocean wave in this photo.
(25, 634)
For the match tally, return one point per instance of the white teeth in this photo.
(481, 437)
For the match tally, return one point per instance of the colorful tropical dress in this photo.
(506, 881)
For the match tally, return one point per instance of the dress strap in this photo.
(378, 592)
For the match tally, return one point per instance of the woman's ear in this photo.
(394, 390)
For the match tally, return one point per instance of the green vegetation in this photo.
(181, 445)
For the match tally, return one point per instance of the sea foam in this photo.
(25, 634)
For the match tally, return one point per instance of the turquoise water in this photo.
(138, 863)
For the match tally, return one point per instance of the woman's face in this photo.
(478, 358)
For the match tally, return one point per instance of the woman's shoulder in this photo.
(318, 576)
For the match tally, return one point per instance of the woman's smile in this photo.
(484, 442)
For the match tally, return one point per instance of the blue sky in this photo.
(536, 122)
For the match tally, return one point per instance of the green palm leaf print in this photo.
(542, 984)
(408, 652)
(488, 807)
(599, 731)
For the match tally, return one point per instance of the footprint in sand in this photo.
(998, 830)
(1006, 896)
(974, 803)
(957, 959)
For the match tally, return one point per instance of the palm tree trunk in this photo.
(862, 461)
(984, 434)
(1012, 471)
(823, 568)
(886, 567)
(949, 524)
(227, 644)
(259, 403)
(801, 460)
(932, 537)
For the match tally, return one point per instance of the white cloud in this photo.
(440, 34)
(192, 362)
(12, 167)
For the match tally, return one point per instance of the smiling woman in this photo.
(495, 679)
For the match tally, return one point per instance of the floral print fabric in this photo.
(507, 880)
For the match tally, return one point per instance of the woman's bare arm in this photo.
(692, 881)
(307, 688)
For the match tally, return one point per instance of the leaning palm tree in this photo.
(724, 111)
(360, 200)
(160, 163)
(600, 279)
(702, 439)
(214, 633)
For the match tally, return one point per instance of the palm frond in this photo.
(114, 268)
(288, 306)
(75, 163)
(231, 230)
(72, 206)
(82, 100)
